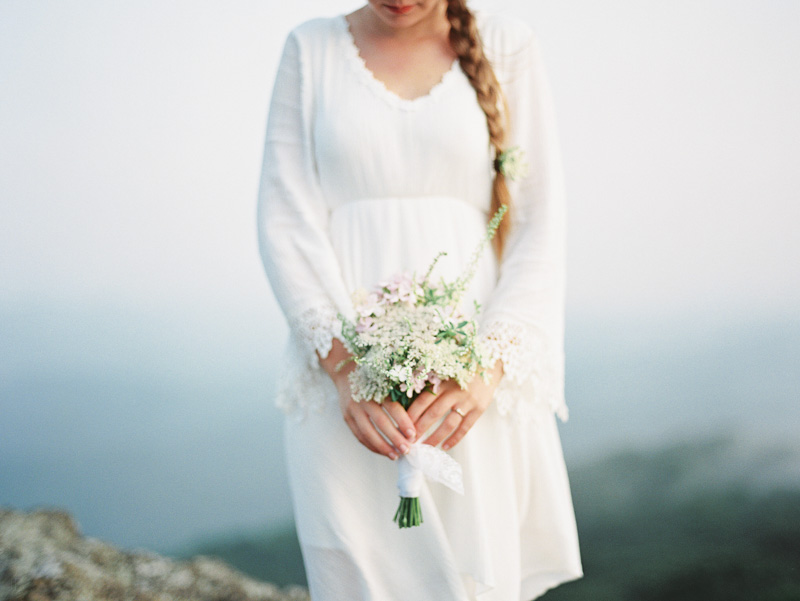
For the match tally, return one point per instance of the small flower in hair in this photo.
(512, 163)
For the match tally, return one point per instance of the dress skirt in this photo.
(511, 536)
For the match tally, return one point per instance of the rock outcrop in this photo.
(43, 557)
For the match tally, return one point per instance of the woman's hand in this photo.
(372, 423)
(460, 408)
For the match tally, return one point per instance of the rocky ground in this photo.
(44, 557)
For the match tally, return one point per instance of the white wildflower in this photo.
(512, 163)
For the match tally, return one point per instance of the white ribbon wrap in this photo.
(425, 460)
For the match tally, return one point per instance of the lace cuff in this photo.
(303, 385)
(315, 329)
(302, 389)
(533, 372)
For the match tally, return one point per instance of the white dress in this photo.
(359, 184)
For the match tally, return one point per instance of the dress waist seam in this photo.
(418, 198)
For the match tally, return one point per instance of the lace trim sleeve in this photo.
(303, 386)
(533, 370)
(315, 329)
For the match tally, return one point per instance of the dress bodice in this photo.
(369, 143)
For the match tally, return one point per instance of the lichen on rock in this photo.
(44, 557)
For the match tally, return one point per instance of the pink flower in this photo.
(400, 288)
(435, 380)
(365, 324)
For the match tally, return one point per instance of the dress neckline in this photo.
(368, 78)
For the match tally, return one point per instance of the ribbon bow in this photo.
(424, 460)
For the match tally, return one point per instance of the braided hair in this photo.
(466, 42)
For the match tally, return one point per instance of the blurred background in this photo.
(138, 335)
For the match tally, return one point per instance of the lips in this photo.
(399, 10)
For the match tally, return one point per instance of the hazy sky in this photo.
(137, 331)
(131, 137)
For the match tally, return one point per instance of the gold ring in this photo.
(459, 411)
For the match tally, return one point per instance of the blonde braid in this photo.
(466, 42)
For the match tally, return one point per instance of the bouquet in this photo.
(410, 335)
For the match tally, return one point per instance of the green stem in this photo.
(409, 513)
(491, 229)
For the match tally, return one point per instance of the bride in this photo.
(382, 149)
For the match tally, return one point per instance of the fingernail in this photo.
(392, 456)
(445, 446)
(411, 433)
(404, 449)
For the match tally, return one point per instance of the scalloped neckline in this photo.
(379, 86)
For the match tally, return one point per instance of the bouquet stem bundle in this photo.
(409, 513)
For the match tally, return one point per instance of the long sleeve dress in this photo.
(359, 184)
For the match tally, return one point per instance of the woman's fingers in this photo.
(401, 418)
(372, 426)
(351, 413)
(420, 404)
(350, 420)
(445, 429)
(386, 426)
(388, 429)
(373, 440)
(466, 423)
(436, 410)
